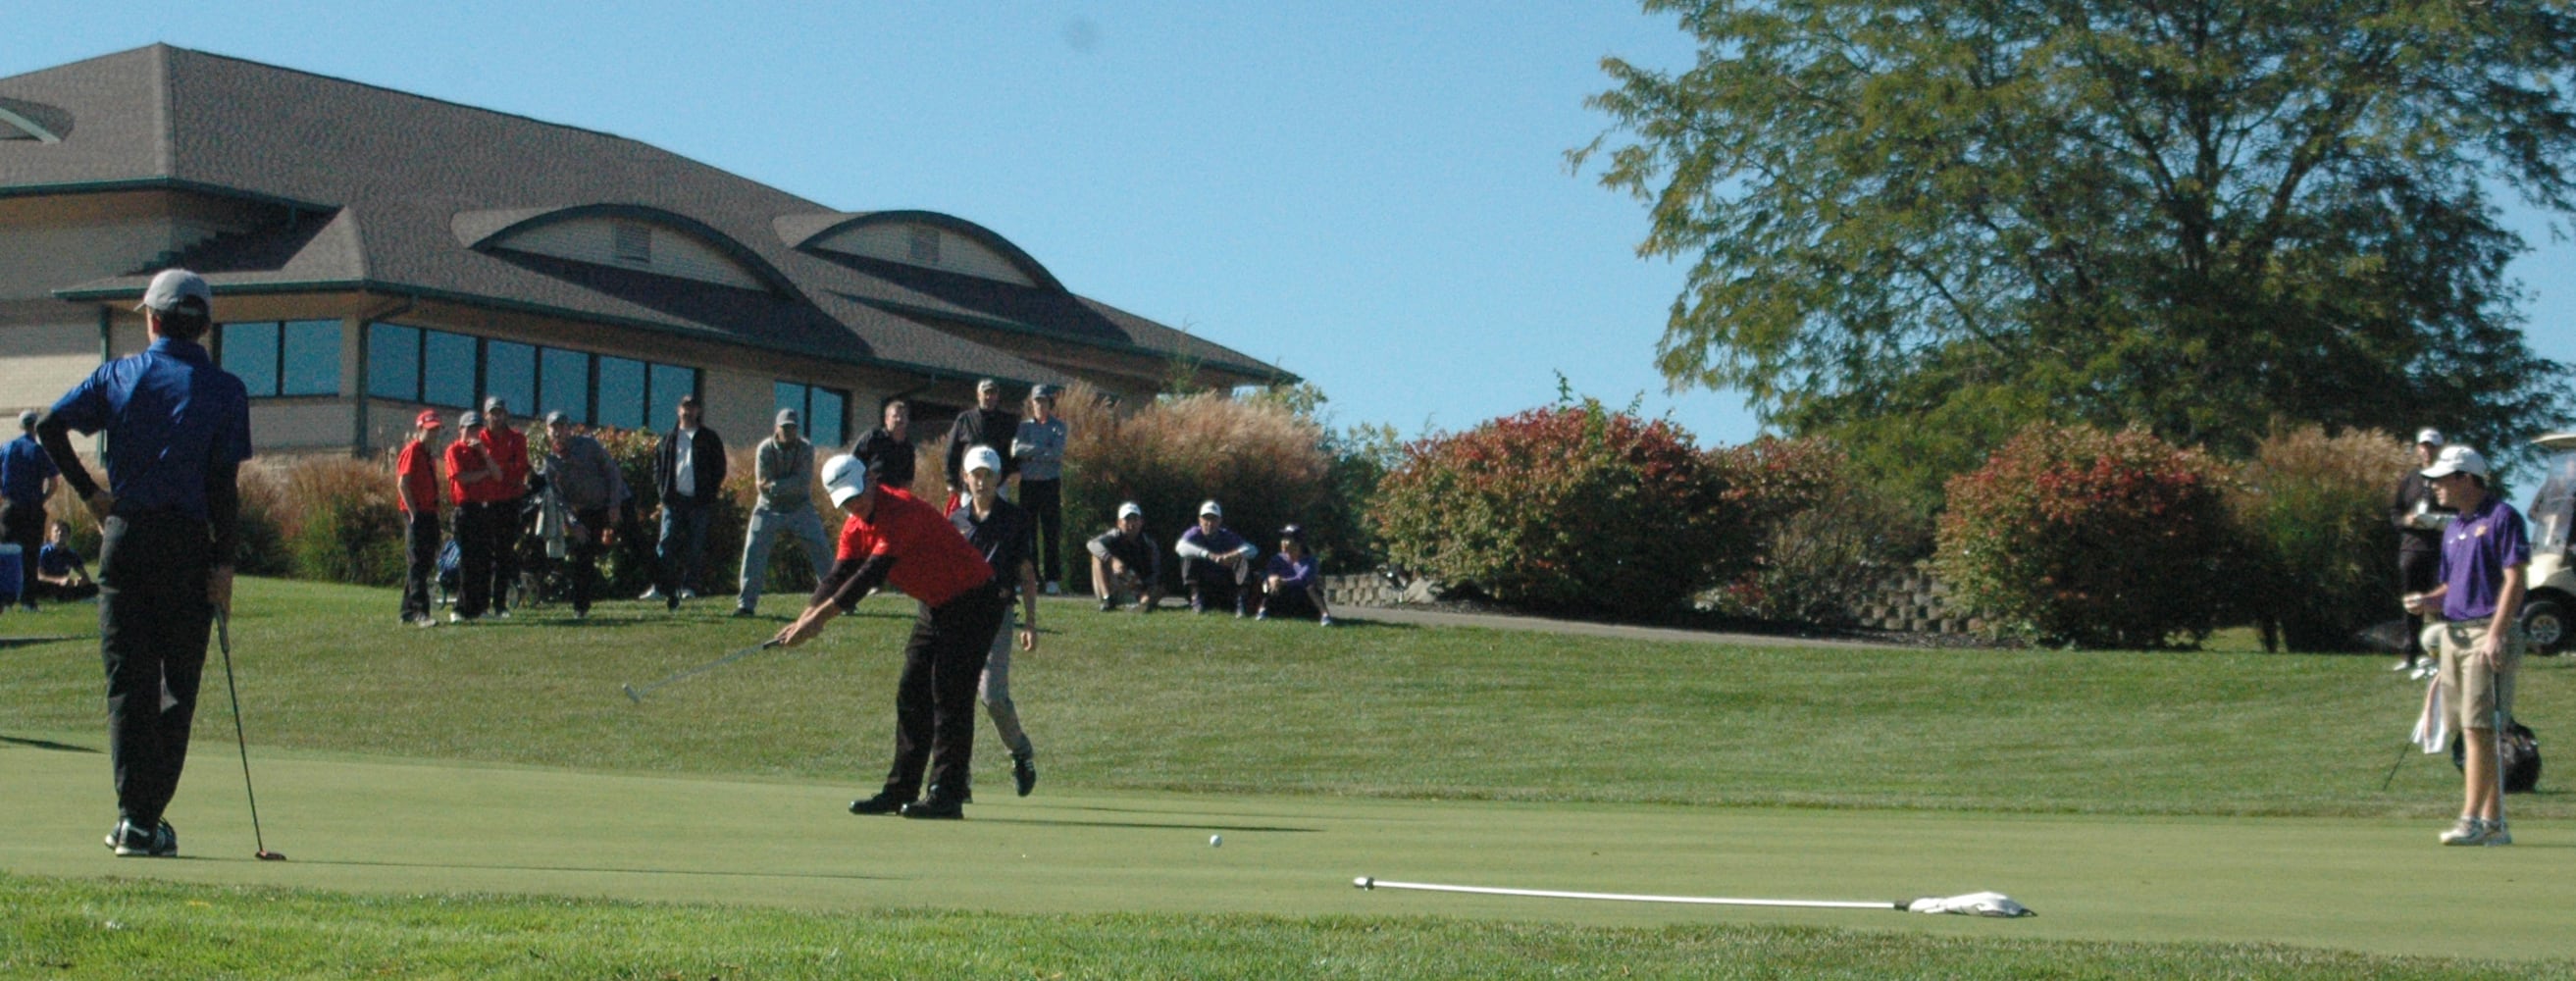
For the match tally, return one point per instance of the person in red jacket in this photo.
(474, 483)
(890, 537)
(509, 449)
(416, 486)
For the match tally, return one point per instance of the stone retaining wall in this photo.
(1907, 599)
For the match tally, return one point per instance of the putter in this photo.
(224, 640)
(1967, 904)
(636, 695)
(2391, 779)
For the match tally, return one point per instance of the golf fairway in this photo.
(396, 826)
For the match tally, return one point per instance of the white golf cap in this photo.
(1208, 509)
(2457, 459)
(2429, 435)
(845, 477)
(981, 458)
(1130, 510)
(178, 289)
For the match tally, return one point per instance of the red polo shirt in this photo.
(419, 472)
(464, 458)
(509, 449)
(933, 563)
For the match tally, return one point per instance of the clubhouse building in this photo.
(375, 252)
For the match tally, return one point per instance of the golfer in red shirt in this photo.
(892, 537)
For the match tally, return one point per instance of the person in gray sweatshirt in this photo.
(784, 468)
(581, 475)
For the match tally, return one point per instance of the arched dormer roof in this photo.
(926, 239)
(623, 236)
(24, 120)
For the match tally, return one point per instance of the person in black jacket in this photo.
(2419, 521)
(984, 425)
(689, 473)
(887, 449)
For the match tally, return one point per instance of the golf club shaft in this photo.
(2392, 768)
(224, 641)
(1367, 883)
(637, 694)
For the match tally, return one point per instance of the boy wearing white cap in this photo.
(1124, 560)
(2485, 554)
(1000, 530)
(1216, 563)
(890, 537)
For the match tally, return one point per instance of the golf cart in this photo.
(2551, 601)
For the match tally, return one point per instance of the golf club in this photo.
(224, 641)
(2391, 779)
(1968, 904)
(636, 695)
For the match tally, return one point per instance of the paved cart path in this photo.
(395, 826)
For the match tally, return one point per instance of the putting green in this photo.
(396, 826)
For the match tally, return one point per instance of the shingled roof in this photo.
(392, 192)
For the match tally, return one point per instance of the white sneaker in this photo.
(2405, 666)
(651, 593)
(2497, 834)
(457, 618)
(688, 594)
(2426, 671)
(2470, 831)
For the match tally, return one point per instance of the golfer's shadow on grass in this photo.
(1148, 825)
(46, 744)
(601, 870)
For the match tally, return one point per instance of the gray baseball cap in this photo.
(787, 417)
(178, 289)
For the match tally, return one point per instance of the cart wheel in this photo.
(2544, 621)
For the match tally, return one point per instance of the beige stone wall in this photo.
(43, 362)
(300, 424)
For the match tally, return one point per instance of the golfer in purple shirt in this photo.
(2485, 557)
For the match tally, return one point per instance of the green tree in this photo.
(1916, 226)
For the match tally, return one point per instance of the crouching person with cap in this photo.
(888, 536)
(2486, 553)
(178, 429)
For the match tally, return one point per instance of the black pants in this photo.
(934, 704)
(152, 623)
(474, 537)
(1215, 585)
(1045, 501)
(2417, 570)
(581, 549)
(420, 548)
(506, 528)
(23, 525)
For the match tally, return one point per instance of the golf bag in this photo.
(2521, 757)
(450, 575)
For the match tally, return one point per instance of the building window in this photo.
(447, 369)
(621, 392)
(393, 362)
(564, 384)
(662, 402)
(823, 409)
(510, 374)
(297, 357)
(925, 245)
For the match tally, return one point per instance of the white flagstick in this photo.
(1981, 904)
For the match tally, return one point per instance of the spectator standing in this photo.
(887, 449)
(889, 537)
(587, 482)
(178, 429)
(1292, 581)
(416, 488)
(1125, 561)
(474, 482)
(688, 473)
(999, 530)
(1216, 563)
(1038, 449)
(984, 425)
(60, 571)
(2486, 553)
(2419, 520)
(27, 479)
(509, 448)
(784, 467)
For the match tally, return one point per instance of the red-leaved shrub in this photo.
(2097, 539)
(2321, 563)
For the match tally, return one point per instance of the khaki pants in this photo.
(2472, 689)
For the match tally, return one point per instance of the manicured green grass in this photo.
(1209, 704)
(473, 801)
(72, 929)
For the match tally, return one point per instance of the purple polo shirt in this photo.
(2476, 550)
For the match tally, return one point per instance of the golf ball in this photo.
(1216, 841)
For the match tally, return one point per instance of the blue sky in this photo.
(1372, 195)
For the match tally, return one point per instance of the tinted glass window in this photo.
(447, 369)
(823, 416)
(621, 393)
(510, 374)
(566, 379)
(250, 353)
(393, 361)
(669, 383)
(787, 395)
(311, 361)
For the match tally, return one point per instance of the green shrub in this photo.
(262, 549)
(1571, 508)
(2321, 555)
(1815, 531)
(341, 521)
(1259, 458)
(2096, 539)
